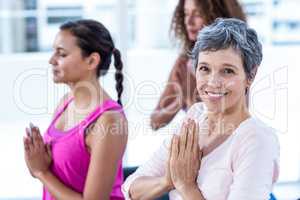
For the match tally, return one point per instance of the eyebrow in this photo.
(230, 65)
(223, 64)
(202, 63)
(193, 11)
(59, 48)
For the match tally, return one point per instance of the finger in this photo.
(39, 137)
(28, 144)
(190, 136)
(175, 147)
(170, 159)
(28, 133)
(170, 148)
(38, 143)
(26, 147)
(33, 134)
(200, 153)
(196, 138)
(31, 126)
(183, 139)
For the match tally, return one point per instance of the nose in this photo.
(189, 19)
(215, 80)
(52, 60)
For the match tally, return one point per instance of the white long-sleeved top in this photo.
(243, 167)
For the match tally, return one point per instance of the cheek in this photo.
(199, 23)
(231, 84)
(200, 82)
(69, 64)
(235, 86)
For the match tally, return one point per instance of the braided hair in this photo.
(92, 36)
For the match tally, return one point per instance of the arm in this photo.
(149, 187)
(171, 100)
(163, 115)
(255, 157)
(107, 147)
(150, 180)
(106, 140)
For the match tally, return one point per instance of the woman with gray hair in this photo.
(221, 151)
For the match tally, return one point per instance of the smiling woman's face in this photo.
(221, 79)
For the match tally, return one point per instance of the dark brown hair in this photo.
(92, 36)
(210, 10)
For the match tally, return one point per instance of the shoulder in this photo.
(112, 124)
(255, 128)
(257, 136)
(112, 117)
(181, 62)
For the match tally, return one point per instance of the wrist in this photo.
(41, 174)
(166, 184)
(188, 191)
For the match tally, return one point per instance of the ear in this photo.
(93, 60)
(253, 73)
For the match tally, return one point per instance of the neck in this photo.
(87, 94)
(225, 122)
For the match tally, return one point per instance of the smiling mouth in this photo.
(193, 31)
(215, 94)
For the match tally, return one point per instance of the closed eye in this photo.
(61, 54)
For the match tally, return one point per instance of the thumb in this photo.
(200, 151)
(169, 156)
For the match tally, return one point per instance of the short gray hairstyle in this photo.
(224, 33)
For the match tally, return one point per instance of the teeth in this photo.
(215, 94)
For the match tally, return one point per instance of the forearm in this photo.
(163, 115)
(148, 188)
(57, 189)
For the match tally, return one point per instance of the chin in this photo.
(192, 37)
(56, 80)
(215, 106)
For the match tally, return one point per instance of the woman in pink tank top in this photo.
(80, 155)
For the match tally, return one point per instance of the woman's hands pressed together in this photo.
(185, 158)
(37, 153)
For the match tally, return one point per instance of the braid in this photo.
(118, 76)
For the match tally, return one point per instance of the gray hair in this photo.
(230, 32)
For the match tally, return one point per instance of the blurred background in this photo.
(140, 29)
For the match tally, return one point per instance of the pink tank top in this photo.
(69, 154)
